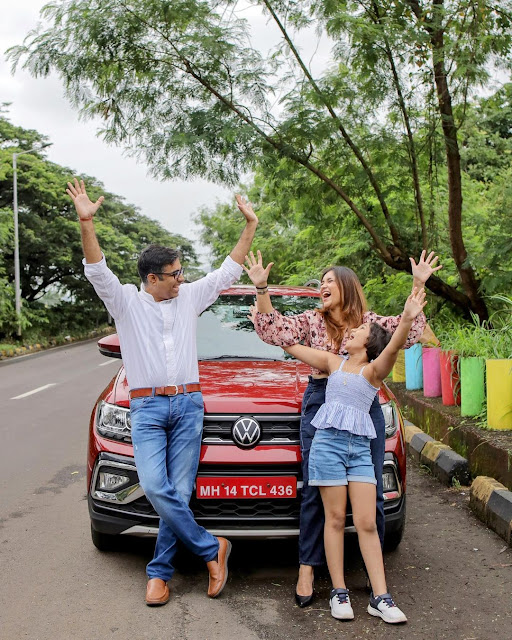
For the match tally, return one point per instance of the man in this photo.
(157, 332)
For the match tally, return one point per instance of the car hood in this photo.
(241, 386)
(252, 386)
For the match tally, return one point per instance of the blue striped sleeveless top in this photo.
(348, 398)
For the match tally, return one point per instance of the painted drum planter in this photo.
(450, 380)
(472, 386)
(431, 372)
(413, 368)
(399, 368)
(499, 393)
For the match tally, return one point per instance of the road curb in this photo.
(417, 442)
(490, 500)
(492, 503)
(445, 464)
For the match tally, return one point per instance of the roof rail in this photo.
(313, 283)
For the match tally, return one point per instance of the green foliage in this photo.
(482, 339)
(350, 166)
(49, 239)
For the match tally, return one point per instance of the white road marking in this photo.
(111, 361)
(29, 393)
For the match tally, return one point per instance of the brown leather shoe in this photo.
(157, 592)
(218, 569)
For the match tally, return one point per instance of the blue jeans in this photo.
(166, 435)
(311, 536)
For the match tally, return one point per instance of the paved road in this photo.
(451, 575)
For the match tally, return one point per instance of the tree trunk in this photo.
(468, 278)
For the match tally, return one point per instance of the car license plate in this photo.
(244, 487)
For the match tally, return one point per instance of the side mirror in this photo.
(109, 346)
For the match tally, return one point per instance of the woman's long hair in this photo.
(353, 305)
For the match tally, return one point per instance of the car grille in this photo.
(275, 429)
(247, 509)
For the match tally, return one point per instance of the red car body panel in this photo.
(238, 388)
(232, 388)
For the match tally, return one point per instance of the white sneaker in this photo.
(384, 607)
(340, 605)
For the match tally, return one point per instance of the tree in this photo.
(303, 233)
(50, 246)
(175, 84)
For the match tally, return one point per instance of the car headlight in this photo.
(114, 422)
(390, 418)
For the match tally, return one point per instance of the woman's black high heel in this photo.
(305, 601)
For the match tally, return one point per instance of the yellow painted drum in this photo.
(399, 368)
(499, 393)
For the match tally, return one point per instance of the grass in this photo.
(44, 342)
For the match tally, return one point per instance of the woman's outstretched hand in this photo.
(414, 304)
(422, 271)
(255, 270)
(85, 208)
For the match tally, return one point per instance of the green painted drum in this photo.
(499, 393)
(472, 386)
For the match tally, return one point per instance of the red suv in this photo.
(249, 478)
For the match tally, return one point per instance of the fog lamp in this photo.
(111, 481)
(389, 481)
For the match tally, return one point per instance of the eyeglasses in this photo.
(175, 274)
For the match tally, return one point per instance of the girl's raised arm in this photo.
(322, 360)
(382, 365)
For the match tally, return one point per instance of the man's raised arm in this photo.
(243, 245)
(105, 283)
(86, 210)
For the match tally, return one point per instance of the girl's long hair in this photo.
(353, 304)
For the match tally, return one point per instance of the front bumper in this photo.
(128, 512)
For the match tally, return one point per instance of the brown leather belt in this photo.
(172, 390)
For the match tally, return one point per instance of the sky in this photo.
(40, 104)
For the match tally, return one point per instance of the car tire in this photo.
(104, 541)
(393, 538)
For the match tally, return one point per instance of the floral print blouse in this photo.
(309, 328)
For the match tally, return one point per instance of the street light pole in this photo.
(17, 288)
(17, 282)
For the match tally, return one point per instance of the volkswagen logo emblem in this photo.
(246, 433)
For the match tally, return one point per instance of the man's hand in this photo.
(246, 209)
(83, 205)
(414, 304)
(422, 271)
(255, 270)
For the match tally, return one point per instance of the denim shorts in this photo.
(339, 457)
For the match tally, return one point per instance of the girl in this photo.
(327, 328)
(340, 455)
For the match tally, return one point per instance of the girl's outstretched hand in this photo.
(246, 209)
(414, 304)
(255, 270)
(422, 271)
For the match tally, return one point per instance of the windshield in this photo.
(224, 330)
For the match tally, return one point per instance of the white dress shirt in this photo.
(158, 339)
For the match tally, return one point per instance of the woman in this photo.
(343, 308)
